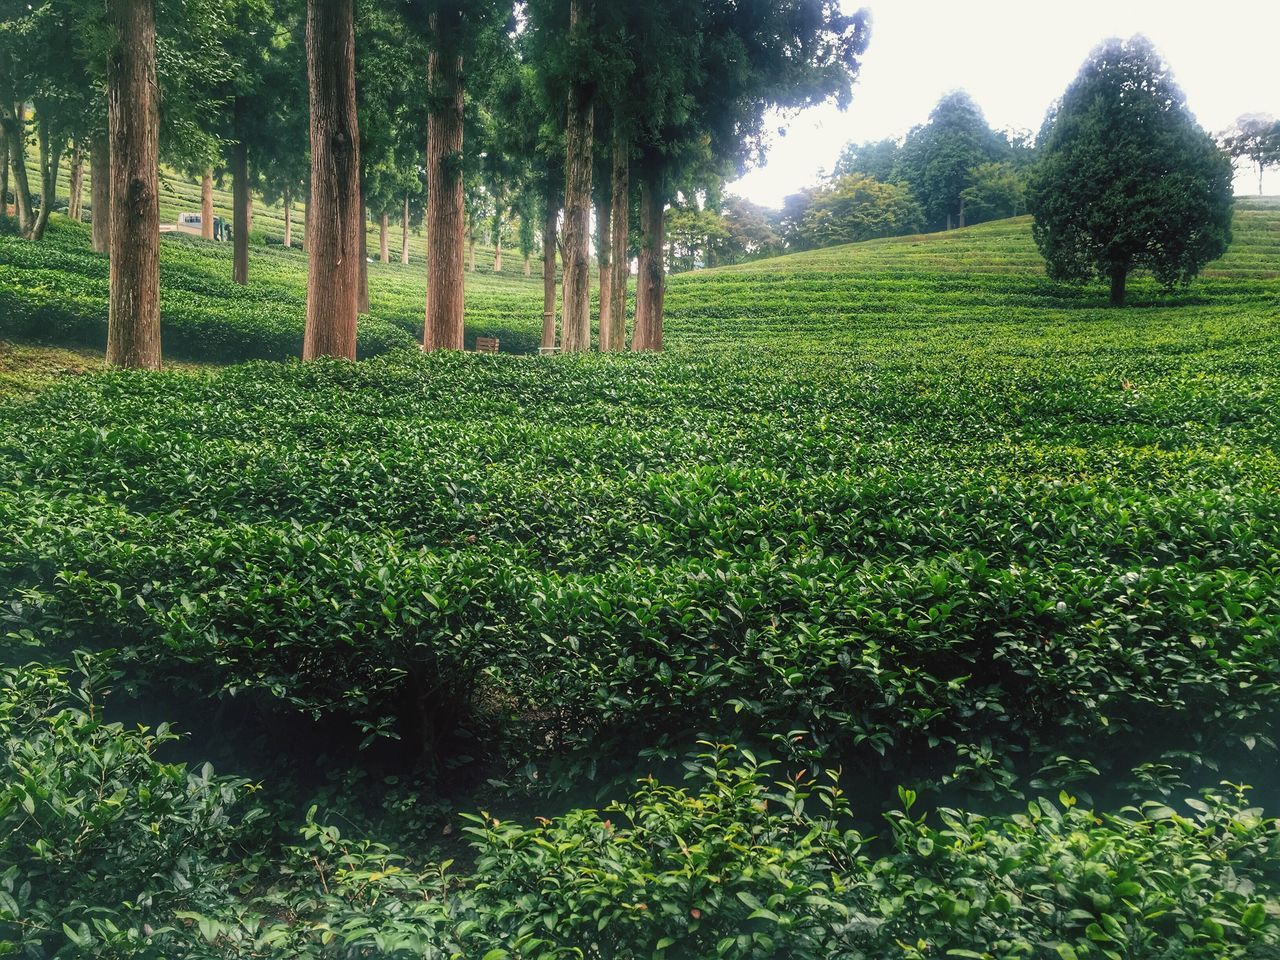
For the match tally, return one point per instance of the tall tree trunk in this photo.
(604, 214)
(4, 169)
(620, 222)
(100, 191)
(445, 202)
(76, 187)
(206, 204)
(335, 221)
(1119, 280)
(549, 264)
(528, 265)
(133, 325)
(15, 121)
(241, 213)
(384, 248)
(650, 281)
(50, 154)
(404, 233)
(497, 255)
(362, 292)
(577, 200)
(287, 199)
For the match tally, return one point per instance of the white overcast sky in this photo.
(1015, 57)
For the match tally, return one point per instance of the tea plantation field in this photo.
(1005, 558)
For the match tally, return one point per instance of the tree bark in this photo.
(404, 233)
(528, 265)
(620, 222)
(133, 325)
(1119, 280)
(306, 222)
(445, 202)
(384, 249)
(100, 191)
(50, 154)
(15, 121)
(76, 188)
(362, 292)
(549, 265)
(604, 214)
(241, 212)
(335, 221)
(287, 199)
(206, 204)
(577, 200)
(650, 281)
(4, 170)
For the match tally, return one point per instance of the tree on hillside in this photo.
(1127, 179)
(1255, 138)
(877, 159)
(848, 210)
(723, 68)
(937, 158)
(133, 325)
(752, 231)
(337, 214)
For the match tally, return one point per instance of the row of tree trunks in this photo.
(14, 119)
(50, 154)
(335, 222)
(75, 198)
(552, 199)
(650, 278)
(404, 233)
(133, 325)
(615, 319)
(206, 204)
(577, 200)
(100, 191)
(445, 200)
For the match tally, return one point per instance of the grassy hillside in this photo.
(903, 508)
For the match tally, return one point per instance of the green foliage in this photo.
(849, 209)
(997, 190)
(1127, 179)
(937, 158)
(102, 841)
(736, 866)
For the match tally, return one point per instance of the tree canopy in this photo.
(1127, 179)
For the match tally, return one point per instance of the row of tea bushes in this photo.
(112, 852)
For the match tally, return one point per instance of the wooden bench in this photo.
(548, 351)
(487, 344)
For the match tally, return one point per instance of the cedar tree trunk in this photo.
(604, 214)
(1119, 280)
(620, 260)
(335, 222)
(133, 325)
(549, 265)
(50, 154)
(577, 200)
(445, 202)
(75, 202)
(15, 121)
(404, 233)
(651, 277)
(100, 191)
(384, 249)
(206, 205)
(241, 213)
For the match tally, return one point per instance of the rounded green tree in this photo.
(1127, 179)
